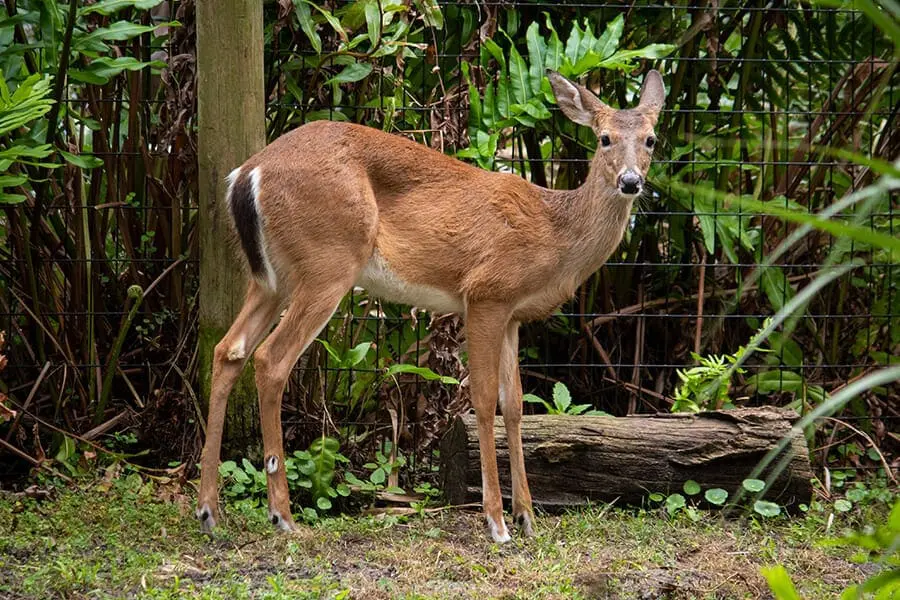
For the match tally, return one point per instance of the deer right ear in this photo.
(576, 102)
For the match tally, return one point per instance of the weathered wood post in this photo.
(231, 107)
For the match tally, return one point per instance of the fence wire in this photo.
(755, 94)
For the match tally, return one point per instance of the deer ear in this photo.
(653, 92)
(576, 102)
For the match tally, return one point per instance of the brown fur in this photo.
(333, 195)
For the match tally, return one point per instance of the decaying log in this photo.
(573, 459)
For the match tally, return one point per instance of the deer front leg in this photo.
(511, 407)
(485, 327)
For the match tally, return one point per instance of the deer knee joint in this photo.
(238, 350)
(272, 465)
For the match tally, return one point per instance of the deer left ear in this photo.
(653, 92)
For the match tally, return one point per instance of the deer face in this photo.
(625, 138)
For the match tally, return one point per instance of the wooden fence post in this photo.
(231, 107)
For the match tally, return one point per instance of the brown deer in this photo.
(332, 205)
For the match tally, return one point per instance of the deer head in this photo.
(625, 137)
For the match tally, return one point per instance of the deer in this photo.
(333, 205)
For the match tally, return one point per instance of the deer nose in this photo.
(630, 182)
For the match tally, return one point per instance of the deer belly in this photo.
(381, 281)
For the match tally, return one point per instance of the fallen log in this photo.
(574, 459)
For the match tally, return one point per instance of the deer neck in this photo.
(592, 219)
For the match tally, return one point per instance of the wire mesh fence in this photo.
(759, 99)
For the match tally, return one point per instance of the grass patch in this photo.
(122, 540)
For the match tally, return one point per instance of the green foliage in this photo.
(521, 94)
(387, 463)
(676, 503)
(562, 403)
(310, 475)
(356, 389)
(30, 101)
(780, 583)
(705, 386)
(878, 544)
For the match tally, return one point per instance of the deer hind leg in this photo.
(229, 357)
(485, 330)
(511, 407)
(308, 312)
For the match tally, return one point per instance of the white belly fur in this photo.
(378, 278)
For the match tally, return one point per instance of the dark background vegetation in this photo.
(759, 97)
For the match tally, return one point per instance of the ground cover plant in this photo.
(132, 536)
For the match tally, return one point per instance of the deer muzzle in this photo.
(630, 183)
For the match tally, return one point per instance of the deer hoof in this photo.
(525, 523)
(498, 531)
(206, 518)
(283, 524)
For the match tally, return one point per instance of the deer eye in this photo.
(605, 141)
(651, 141)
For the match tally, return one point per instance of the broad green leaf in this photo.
(608, 41)
(330, 19)
(357, 354)
(119, 31)
(423, 372)
(373, 21)
(431, 13)
(766, 508)
(352, 73)
(778, 289)
(753, 485)
(623, 58)
(495, 51)
(537, 56)
(475, 114)
(518, 77)
(66, 450)
(561, 397)
(377, 477)
(555, 51)
(102, 69)
(536, 109)
(108, 7)
(573, 44)
(332, 352)
(780, 583)
(27, 103)
(769, 382)
(837, 228)
(12, 180)
(674, 502)
(843, 505)
(6, 198)
(304, 15)
(716, 496)
(85, 161)
(532, 399)
(323, 503)
(691, 487)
